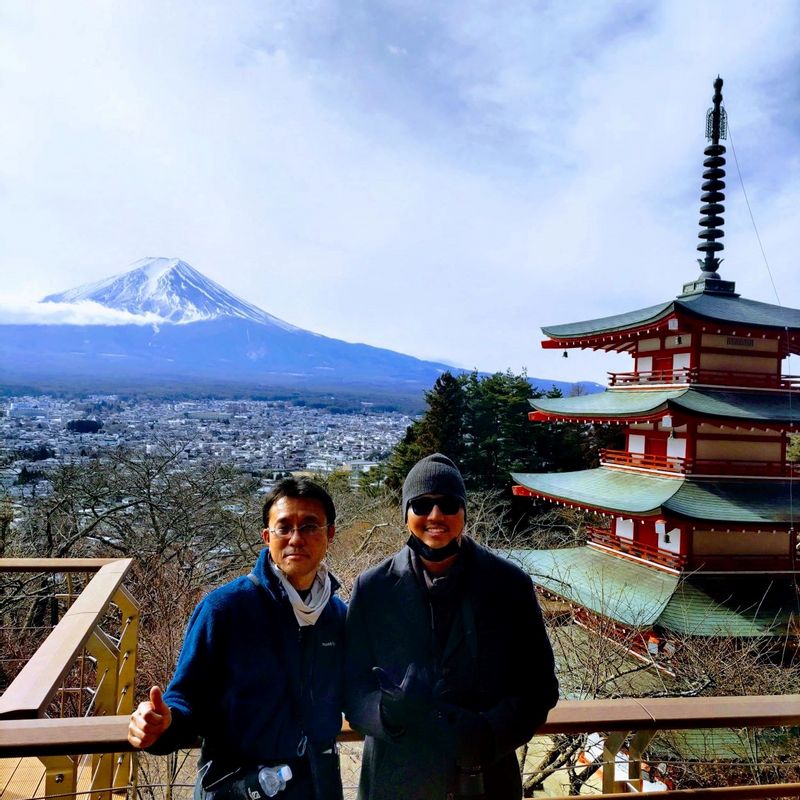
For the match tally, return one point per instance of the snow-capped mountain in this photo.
(170, 288)
(209, 338)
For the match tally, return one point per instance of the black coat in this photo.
(500, 664)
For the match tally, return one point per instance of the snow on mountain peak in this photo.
(170, 288)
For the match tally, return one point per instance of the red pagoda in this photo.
(701, 500)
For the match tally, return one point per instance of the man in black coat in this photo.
(448, 666)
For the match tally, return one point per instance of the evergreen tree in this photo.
(481, 422)
(439, 430)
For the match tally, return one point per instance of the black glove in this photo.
(466, 736)
(409, 705)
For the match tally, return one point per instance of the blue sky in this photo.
(438, 178)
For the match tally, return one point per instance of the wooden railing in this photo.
(634, 721)
(604, 537)
(698, 466)
(713, 377)
(624, 458)
(767, 469)
(628, 724)
(85, 641)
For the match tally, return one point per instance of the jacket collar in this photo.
(269, 580)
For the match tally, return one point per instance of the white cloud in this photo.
(85, 312)
(522, 164)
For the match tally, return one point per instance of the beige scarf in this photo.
(308, 611)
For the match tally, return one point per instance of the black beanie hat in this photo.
(434, 474)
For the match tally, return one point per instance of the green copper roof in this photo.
(631, 319)
(715, 307)
(609, 489)
(618, 589)
(729, 308)
(718, 744)
(612, 403)
(742, 405)
(752, 605)
(754, 501)
(743, 501)
(641, 597)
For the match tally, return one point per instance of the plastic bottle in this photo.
(273, 779)
(267, 782)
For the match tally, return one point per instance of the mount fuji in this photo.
(163, 326)
(170, 326)
(171, 289)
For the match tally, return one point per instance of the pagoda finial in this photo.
(711, 222)
(709, 281)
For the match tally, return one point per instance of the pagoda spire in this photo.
(711, 221)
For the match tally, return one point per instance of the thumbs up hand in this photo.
(150, 720)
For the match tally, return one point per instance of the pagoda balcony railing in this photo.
(767, 469)
(712, 377)
(605, 538)
(752, 562)
(624, 458)
(628, 727)
(81, 672)
(698, 466)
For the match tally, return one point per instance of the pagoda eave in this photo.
(640, 598)
(518, 490)
(733, 502)
(733, 408)
(700, 313)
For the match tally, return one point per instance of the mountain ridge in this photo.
(202, 333)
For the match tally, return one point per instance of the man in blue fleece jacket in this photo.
(259, 677)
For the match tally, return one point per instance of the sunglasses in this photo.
(422, 506)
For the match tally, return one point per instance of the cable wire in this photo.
(752, 218)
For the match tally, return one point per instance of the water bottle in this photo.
(272, 780)
(252, 785)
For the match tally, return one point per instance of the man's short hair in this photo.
(299, 487)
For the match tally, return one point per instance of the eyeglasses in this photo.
(308, 529)
(422, 506)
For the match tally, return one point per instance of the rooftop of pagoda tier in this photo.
(640, 597)
(749, 502)
(726, 313)
(745, 408)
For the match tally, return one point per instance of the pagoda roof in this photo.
(724, 308)
(741, 406)
(614, 587)
(749, 502)
(641, 597)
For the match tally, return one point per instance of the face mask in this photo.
(431, 554)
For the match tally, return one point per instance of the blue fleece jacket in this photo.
(250, 681)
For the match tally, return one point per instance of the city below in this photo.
(262, 438)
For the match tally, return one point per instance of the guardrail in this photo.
(625, 458)
(79, 647)
(698, 466)
(628, 723)
(604, 537)
(631, 720)
(713, 377)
